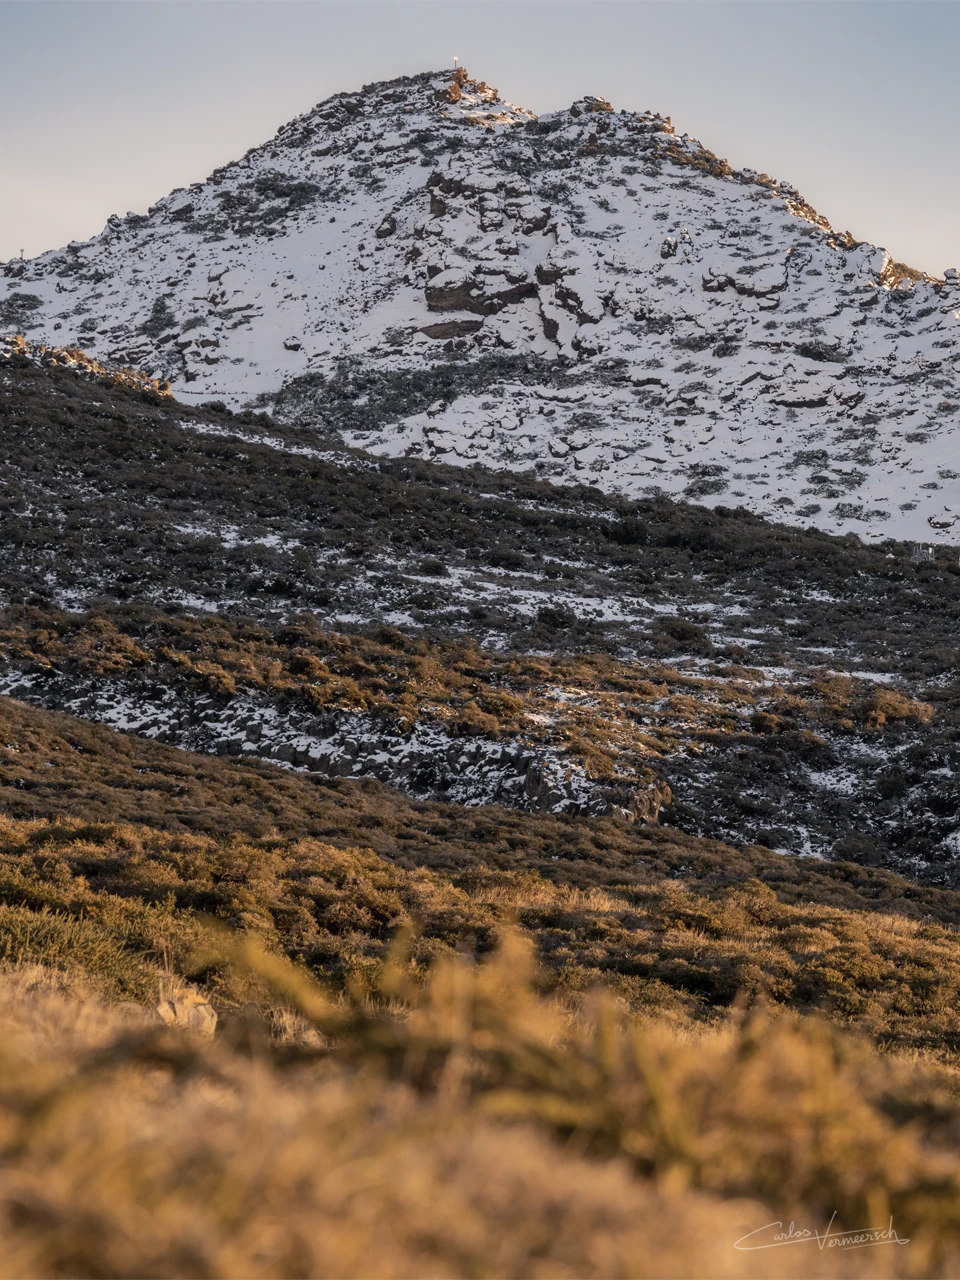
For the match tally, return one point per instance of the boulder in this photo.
(190, 1010)
(451, 328)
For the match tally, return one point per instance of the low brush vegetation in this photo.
(797, 761)
(60, 768)
(195, 503)
(119, 902)
(612, 716)
(123, 848)
(462, 1124)
(459, 1041)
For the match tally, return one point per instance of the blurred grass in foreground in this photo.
(465, 1124)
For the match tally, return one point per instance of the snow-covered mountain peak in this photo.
(428, 270)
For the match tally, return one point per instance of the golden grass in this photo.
(465, 1126)
(125, 903)
(614, 717)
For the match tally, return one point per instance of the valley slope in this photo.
(233, 585)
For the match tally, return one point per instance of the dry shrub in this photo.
(613, 717)
(888, 704)
(120, 902)
(792, 1111)
(466, 1126)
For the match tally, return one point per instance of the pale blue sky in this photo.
(109, 105)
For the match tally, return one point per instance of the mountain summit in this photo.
(424, 269)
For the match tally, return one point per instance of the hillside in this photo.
(479, 718)
(446, 1063)
(230, 585)
(214, 511)
(422, 270)
(125, 842)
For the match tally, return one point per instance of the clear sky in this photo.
(108, 104)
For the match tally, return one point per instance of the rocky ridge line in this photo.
(422, 269)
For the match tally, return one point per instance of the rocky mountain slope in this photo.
(269, 693)
(425, 271)
(233, 585)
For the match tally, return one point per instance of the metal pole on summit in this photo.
(456, 62)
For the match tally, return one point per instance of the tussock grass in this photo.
(58, 767)
(115, 847)
(126, 903)
(462, 1126)
(683, 1043)
(615, 717)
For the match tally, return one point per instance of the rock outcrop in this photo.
(602, 298)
